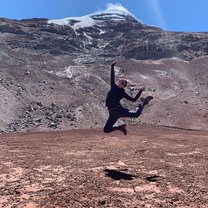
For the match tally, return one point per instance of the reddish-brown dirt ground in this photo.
(150, 167)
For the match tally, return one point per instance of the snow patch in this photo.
(102, 32)
(155, 62)
(87, 36)
(145, 77)
(161, 73)
(69, 72)
(179, 59)
(84, 21)
(103, 45)
(113, 10)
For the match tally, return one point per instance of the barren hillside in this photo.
(54, 74)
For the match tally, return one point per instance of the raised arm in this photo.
(113, 73)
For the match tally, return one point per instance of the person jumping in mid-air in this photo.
(116, 111)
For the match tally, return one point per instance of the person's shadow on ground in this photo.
(118, 175)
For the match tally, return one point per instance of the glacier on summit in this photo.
(114, 11)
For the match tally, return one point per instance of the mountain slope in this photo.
(56, 75)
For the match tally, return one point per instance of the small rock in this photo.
(27, 72)
(102, 202)
(53, 125)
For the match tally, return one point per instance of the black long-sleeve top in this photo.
(115, 94)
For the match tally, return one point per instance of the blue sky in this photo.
(173, 15)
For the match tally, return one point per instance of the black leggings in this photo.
(119, 112)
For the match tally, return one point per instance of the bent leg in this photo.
(118, 113)
(132, 114)
(109, 124)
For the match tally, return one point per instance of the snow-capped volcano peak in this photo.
(115, 12)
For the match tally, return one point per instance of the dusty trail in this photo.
(151, 167)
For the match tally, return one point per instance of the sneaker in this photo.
(146, 100)
(123, 129)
